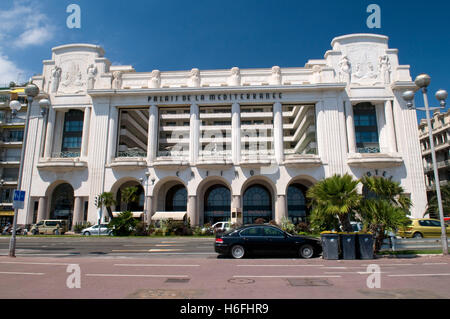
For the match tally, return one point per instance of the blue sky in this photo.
(214, 34)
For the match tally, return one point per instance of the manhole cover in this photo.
(177, 280)
(166, 294)
(308, 282)
(241, 281)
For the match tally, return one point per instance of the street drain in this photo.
(177, 280)
(241, 281)
(308, 282)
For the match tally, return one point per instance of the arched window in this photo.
(62, 203)
(257, 204)
(176, 199)
(217, 204)
(296, 202)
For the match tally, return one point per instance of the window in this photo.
(73, 130)
(366, 129)
(254, 231)
(273, 232)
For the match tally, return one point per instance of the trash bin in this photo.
(364, 246)
(348, 246)
(330, 245)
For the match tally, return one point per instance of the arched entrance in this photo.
(136, 205)
(176, 199)
(217, 204)
(62, 203)
(257, 203)
(297, 203)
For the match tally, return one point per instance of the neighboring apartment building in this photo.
(441, 137)
(11, 138)
(202, 143)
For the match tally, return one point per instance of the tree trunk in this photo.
(345, 223)
(108, 209)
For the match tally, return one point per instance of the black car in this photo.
(265, 239)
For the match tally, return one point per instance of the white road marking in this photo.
(430, 264)
(22, 273)
(357, 272)
(163, 250)
(418, 275)
(279, 265)
(380, 264)
(128, 275)
(286, 276)
(158, 253)
(153, 265)
(29, 263)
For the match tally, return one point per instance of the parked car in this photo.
(221, 227)
(267, 240)
(447, 220)
(50, 227)
(422, 228)
(94, 230)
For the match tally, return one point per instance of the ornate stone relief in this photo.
(92, 73)
(117, 80)
(317, 74)
(195, 78)
(235, 78)
(385, 69)
(344, 73)
(72, 81)
(56, 77)
(155, 81)
(275, 78)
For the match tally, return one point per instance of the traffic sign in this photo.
(19, 199)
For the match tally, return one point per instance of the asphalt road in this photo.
(188, 268)
(109, 246)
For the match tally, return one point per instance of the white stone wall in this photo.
(359, 68)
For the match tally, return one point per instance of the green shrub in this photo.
(123, 225)
(302, 227)
(287, 225)
(141, 229)
(80, 226)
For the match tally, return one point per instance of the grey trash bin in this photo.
(364, 246)
(348, 245)
(330, 246)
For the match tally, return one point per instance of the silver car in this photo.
(94, 230)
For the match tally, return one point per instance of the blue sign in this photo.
(19, 196)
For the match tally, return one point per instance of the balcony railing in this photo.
(65, 154)
(440, 164)
(215, 154)
(12, 139)
(9, 158)
(181, 154)
(8, 178)
(131, 153)
(366, 150)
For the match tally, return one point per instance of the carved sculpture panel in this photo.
(275, 78)
(235, 78)
(155, 81)
(195, 78)
(73, 79)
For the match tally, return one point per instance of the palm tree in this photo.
(106, 199)
(384, 207)
(335, 196)
(433, 210)
(129, 195)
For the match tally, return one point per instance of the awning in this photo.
(18, 91)
(169, 215)
(135, 214)
(6, 213)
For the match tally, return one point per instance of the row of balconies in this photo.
(441, 164)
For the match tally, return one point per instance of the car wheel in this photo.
(86, 233)
(34, 232)
(306, 251)
(417, 235)
(237, 251)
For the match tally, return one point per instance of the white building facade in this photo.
(207, 141)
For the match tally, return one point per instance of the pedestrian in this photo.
(391, 235)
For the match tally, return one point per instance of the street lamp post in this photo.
(31, 91)
(422, 81)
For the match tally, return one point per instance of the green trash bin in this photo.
(364, 246)
(330, 245)
(348, 245)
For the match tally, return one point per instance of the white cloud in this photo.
(22, 25)
(9, 71)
